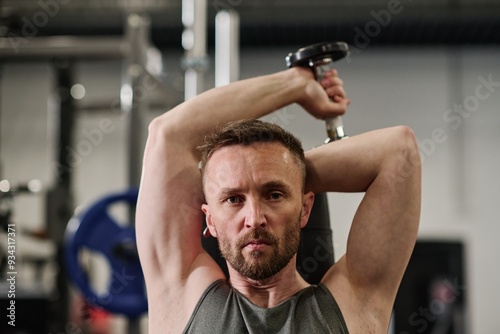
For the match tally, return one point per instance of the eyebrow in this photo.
(278, 185)
(229, 191)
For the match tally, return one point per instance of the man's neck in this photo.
(272, 291)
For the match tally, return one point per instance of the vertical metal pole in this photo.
(194, 40)
(227, 24)
(67, 115)
(133, 93)
(133, 98)
(1, 161)
(59, 200)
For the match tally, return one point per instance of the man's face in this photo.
(255, 207)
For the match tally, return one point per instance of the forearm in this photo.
(246, 99)
(352, 165)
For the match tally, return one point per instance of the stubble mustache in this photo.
(257, 234)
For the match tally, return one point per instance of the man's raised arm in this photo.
(386, 165)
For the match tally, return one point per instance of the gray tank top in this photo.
(222, 309)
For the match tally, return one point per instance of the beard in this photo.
(261, 265)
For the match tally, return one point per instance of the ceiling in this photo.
(273, 23)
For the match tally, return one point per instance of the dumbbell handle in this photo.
(334, 125)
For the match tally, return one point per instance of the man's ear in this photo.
(208, 218)
(307, 204)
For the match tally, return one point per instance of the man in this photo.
(256, 192)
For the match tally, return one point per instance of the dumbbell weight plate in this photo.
(302, 57)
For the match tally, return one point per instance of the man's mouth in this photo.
(257, 240)
(256, 244)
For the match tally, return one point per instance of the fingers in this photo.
(340, 104)
(332, 75)
(334, 87)
(336, 91)
(332, 83)
(323, 99)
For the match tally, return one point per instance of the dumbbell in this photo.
(320, 57)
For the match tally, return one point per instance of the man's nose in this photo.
(254, 215)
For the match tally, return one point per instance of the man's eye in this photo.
(275, 196)
(233, 200)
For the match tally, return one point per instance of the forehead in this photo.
(258, 162)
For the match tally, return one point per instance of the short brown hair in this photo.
(247, 132)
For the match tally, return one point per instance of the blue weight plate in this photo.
(96, 230)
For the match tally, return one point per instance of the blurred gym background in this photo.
(81, 79)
